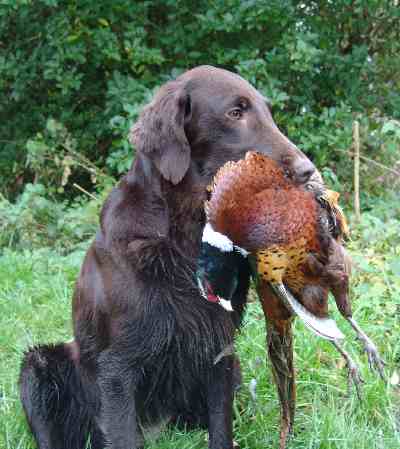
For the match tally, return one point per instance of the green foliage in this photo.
(86, 67)
(36, 221)
(49, 156)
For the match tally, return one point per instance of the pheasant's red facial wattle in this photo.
(210, 293)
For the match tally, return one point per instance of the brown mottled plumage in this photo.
(242, 189)
(264, 212)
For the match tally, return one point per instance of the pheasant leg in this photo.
(374, 359)
(280, 351)
(353, 372)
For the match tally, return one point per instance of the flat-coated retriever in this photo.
(145, 340)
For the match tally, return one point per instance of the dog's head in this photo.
(207, 117)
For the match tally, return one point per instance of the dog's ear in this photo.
(159, 133)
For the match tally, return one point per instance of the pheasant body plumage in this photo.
(262, 211)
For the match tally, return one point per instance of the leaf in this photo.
(394, 267)
(391, 126)
(365, 266)
(66, 175)
(72, 38)
(103, 22)
(394, 379)
(52, 126)
(392, 147)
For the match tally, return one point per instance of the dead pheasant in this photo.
(282, 225)
(293, 236)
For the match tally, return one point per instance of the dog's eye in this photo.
(236, 113)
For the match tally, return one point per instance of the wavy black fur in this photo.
(53, 397)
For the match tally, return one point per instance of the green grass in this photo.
(35, 292)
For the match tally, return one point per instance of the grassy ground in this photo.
(35, 292)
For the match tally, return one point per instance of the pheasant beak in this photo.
(212, 297)
(323, 327)
(208, 294)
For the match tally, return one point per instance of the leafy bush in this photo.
(35, 221)
(87, 67)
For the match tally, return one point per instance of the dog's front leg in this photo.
(116, 418)
(220, 404)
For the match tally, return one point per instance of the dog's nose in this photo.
(303, 169)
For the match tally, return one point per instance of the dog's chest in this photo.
(187, 338)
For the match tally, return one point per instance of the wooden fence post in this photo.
(356, 144)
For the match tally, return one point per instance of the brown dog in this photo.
(145, 340)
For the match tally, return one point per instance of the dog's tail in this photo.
(53, 398)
